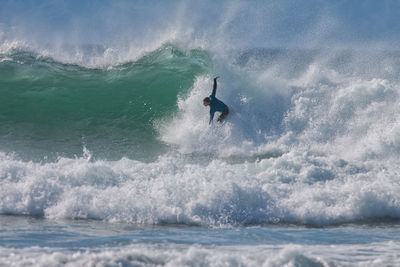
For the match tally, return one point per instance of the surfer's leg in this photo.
(223, 115)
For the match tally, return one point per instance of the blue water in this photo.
(138, 244)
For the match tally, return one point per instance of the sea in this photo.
(107, 157)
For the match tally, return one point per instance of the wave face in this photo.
(54, 109)
(114, 129)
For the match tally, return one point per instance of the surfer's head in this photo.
(206, 101)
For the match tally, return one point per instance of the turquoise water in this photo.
(54, 109)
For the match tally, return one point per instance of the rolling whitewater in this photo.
(107, 158)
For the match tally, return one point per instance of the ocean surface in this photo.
(107, 157)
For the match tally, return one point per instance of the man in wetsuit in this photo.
(216, 104)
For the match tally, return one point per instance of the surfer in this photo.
(216, 104)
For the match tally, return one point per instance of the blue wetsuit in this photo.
(217, 105)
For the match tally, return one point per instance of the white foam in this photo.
(321, 108)
(294, 188)
(248, 129)
(6, 47)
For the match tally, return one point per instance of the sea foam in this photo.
(293, 188)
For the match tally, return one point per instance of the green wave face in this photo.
(50, 107)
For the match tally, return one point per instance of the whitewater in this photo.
(107, 158)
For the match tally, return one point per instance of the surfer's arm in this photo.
(215, 86)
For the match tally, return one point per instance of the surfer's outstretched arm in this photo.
(215, 86)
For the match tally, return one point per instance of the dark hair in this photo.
(207, 99)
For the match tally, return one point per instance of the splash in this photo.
(312, 137)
